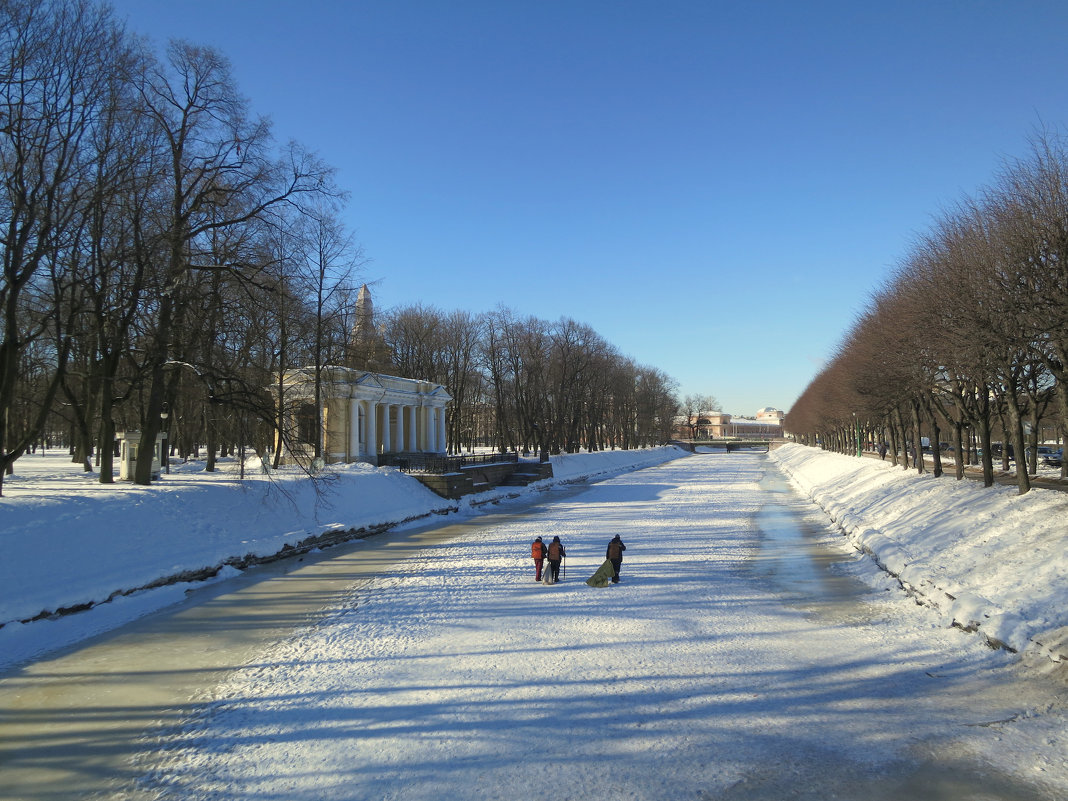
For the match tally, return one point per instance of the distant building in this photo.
(364, 415)
(720, 425)
(746, 427)
(365, 412)
(769, 414)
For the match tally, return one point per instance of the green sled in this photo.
(603, 575)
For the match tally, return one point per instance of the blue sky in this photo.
(714, 187)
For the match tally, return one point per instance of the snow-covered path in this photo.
(456, 676)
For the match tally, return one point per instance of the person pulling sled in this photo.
(614, 554)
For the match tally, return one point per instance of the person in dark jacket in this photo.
(556, 554)
(614, 554)
(537, 552)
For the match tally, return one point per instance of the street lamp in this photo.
(165, 455)
(543, 455)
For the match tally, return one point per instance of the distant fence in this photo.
(439, 465)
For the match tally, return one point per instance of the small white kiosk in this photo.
(129, 445)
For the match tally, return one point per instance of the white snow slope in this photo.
(987, 558)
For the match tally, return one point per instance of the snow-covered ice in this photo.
(69, 541)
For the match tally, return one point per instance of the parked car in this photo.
(1052, 459)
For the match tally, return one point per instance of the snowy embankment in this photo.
(988, 559)
(71, 543)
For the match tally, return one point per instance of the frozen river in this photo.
(739, 658)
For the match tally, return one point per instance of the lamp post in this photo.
(543, 455)
(165, 454)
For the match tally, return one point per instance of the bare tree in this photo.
(968, 334)
(222, 173)
(414, 336)
(56, 64)
(1031, 200)
(330, 256)
(693, 407)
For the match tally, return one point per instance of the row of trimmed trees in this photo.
(967, 343)
(165, 261)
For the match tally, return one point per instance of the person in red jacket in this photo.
(537, 551)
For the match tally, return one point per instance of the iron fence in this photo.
(439, 465)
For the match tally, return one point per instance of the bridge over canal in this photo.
(729, 444)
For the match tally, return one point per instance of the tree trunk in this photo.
(958, 449)
(986, 457)
(107, 434)
(212, 436)
(936, 446)
(1023, 480)
(892, 431)
(917, 442)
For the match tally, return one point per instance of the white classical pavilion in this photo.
(366, 414)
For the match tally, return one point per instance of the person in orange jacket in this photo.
(538, 553)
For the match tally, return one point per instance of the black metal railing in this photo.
(439, 465)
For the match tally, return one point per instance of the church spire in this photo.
(363, 328)
(367, 347)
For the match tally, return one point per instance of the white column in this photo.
(413, 429)
(398, 440)
(354, 430)
(441, 430)
(387, 434)
(371, 417)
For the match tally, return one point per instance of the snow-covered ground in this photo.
(987, 558)
(69, 541)
(457, 676)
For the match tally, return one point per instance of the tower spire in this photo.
(367, 347)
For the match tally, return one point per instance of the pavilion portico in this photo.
(367, 415)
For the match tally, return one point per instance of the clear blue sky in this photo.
(714, 187)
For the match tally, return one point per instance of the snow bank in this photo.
(585, 466)
(988, 559)
(70, 542)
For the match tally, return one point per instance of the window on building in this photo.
(306, 424)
